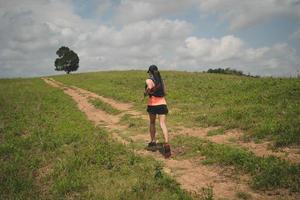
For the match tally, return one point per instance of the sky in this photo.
(260, 37)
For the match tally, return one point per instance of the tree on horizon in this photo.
(68, 60)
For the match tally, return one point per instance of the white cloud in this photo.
(213, 50)
(241, 14)
(31, 33)
(230, 51)
(129, 11)
(136, 44)
(295, 35)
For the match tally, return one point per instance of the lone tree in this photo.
(68, 60)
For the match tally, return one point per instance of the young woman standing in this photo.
(157, 106)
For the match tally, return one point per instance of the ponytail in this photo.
(159, 81)
(157, 77)
(159, 89)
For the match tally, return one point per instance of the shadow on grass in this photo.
(160, 148)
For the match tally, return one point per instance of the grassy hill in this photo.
(49, 149)
(263, 107)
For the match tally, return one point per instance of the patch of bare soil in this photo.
(127, 107)
(196, 176)
(92, 113)
(191, 174)
(264, 149)
(141, 137)
(40, 176)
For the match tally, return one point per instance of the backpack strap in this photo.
(155, 91)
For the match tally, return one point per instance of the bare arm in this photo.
(150, 85)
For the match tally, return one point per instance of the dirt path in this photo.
(191, 174)
(234, 137)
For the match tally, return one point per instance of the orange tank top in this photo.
(154, 101)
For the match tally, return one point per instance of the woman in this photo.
(157, 106)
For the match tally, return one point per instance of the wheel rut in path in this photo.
(190, 173)
(233, 137)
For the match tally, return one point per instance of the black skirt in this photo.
(159, 109)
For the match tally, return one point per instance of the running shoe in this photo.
(167, 150)
(151, 146)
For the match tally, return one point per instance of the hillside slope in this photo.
(50, 150)
(262, 107)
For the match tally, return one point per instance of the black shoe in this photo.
(151, 146)
(167, 150)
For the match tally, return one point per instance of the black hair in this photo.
(157, 79)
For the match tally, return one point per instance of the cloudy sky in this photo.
(261, 37)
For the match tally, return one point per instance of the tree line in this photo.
(229, 71)
(68, 61)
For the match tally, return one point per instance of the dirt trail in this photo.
(127, 108)
(234, 137)
(191, 174)
(229, 137)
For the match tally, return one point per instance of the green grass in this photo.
(267, 173)
(133, 122)
(262, 107)
(137, 126)
(219, 131)
(207, 193)
(243, 196)
(49, 150)
(104, 106)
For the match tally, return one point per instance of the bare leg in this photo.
(162, 122)
(152, 118)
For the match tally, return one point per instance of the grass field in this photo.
(49, 150)
(266, 108)
(267, 173)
